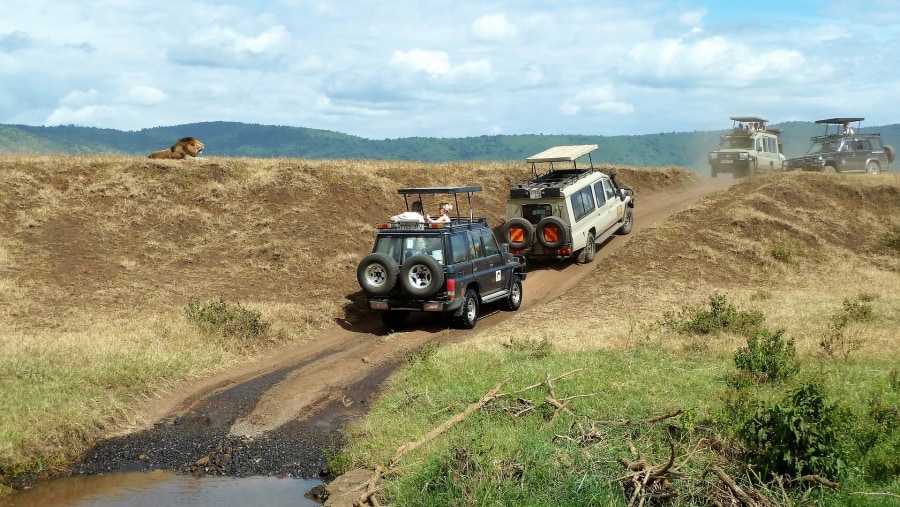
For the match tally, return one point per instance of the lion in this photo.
(185, 147)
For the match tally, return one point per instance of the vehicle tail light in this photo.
(383, 226)
(435, 226)
(565, 251)
(451, 289)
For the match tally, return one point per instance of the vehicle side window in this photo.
(476, 251)
(489, 243)
(583, 203)
(534, 213)
(459, 247)
(608, 189)
(862, 145)
(598, 191)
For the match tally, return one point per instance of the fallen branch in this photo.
(406, 448)
(539, 384)
(626, 422)
(875, 494)
(820, 480)
(735, 489)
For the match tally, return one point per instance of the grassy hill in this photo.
(100, 256)
(230, 139)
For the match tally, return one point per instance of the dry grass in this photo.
(99, 256)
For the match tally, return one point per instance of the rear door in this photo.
(611, 210)
(488, 261)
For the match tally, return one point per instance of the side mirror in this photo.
(504, 248)
(622, 194)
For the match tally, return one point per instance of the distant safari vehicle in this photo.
(749, 147)
(564, 210)
(841, 151)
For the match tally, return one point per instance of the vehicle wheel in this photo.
(513, 226)
(872, 168)
(377, 273)
(891, 154)
(469, 310)
(629, 222)
(587, 253)
(394, 320)
(551, 232)
(514, 300)
(421, 275)
(829, 169)
(752, 167)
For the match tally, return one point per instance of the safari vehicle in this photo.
(564, 210)
(837, 152)
(451, 268)
(747, 149)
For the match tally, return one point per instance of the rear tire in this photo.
(586, 256)
(872, 168)
(394, 321)
(469, 316)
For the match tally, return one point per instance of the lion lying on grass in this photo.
(185, 147)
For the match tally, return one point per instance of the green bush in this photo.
(227, 320)
(721, 316)
(796, 437)
(768, 357)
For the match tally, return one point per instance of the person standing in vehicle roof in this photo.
(414, 215)
(848, 130)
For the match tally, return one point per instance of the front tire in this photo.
(514, 300)
(469, 316)
(629, 223)
(829, 169)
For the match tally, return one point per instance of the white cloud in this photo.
(146, 95)
(433, 63)
(711, 61)
(492, 28)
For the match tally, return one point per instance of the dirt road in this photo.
(278, 415)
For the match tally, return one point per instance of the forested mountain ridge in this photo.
(233, 139)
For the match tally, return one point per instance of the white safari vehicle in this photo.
(564, 210)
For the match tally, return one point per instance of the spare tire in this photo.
(551, 232)
(891, 153)
(519, 233)
(377, 273)
(421, 276)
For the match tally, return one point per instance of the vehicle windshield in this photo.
(736, 142)
(401, 248)
(822, 147)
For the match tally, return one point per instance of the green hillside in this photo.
(232, 139)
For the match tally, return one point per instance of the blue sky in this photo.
(408, 68)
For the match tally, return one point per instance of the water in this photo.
(161, 488)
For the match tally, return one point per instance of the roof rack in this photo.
(550, 183)
(454, 191)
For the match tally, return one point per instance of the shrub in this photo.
(768, 357)
(721, 316)
(228, 320)
(783, 254)
(796, 437)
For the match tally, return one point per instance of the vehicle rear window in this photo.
(534, 213)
